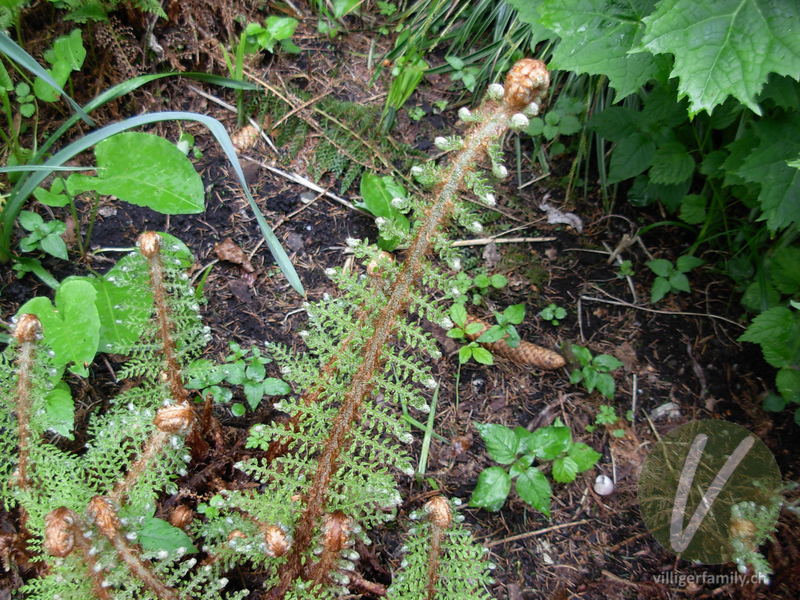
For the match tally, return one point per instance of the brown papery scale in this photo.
(336, 530)
(149, 243)
(181, 516)
(59, 537)
(276, 540)
(104, 516)
(28, 327)
(439, 511)
(527, 80)
(178, 418)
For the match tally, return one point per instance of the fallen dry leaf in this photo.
(228, 250)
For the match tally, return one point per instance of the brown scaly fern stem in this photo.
(525, 83)
(441, 516)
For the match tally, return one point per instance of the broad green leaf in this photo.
(605, 385)
(584, 456)
(590, 376)
(788, 383)
(774, 403)
(492, 489)
(584, 355)
(54, 245)
(615, 123)
(482, 356)
(59, 415)
(549, 442)
(631, 156)
(564, 469)
(66, 55)
(498, 281)
(54, 196)
(597, 37)
(606, 362)
(687, 262)
(377, 193)
(521, 465)
(145, 170)
(785, 269)
(465, 353)
(693, 209)
(473, 328)
(660, 266)
(281, 28)
(155, 535)
(533, 488)
(455, 62)
(344, 7)
(238, 409)
(458, 314)
(725, 47)
(777, 330)
(661, 288)
(760, 296)
(515, 313)
(491, 335)
(253, 392)
(766, 164)
(275, 387)
(501, 442)
(527, 12)
(30, 220)
(34, 265)
(255, 371)
(72, 327)
(202, 373)
(679, 281)
(672, 164)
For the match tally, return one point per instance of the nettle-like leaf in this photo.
(766, 164)
(145, 170)
(725, 47)
(777, 330)
(596, 38)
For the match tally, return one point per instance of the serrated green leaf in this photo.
(584, 456)
(548, 442)
(605, 385)
(53, 196)
(145, 170)
(54, 245)
(693, 209)
(661, 288)
(464, 354)
(660, 266)
(672, 164)
(473, 328)
(515, 313)
(777, 330)
(492, 489)
(564, 469)
(458, 314)
(584, 355)
(491, 335)
(482, 281)
(520, 465)
(679, 281)
(597, 37)
(606, 362)
(788, 383)
(535, 127)
(533, 488)
(615, 123)
(687, 263)
(498, 281)
(502, 444)
(760, 296)
(275, 387)
(155, 535)
(785, 269)
(482, 356)
(708, 39)
(527, 13)
(632, 155)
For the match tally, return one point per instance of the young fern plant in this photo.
(339, 448)
(82, 513)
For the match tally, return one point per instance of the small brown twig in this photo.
(530, 534)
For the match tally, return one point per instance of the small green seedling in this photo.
(25, 99)
(461, 331)
(274, 30)
(416, 113)
(607, 415)
(553, 314)
(671, 278)
(461, 72)
(595, 371)
(625, 269)
(244, 367)
(43, 235)
(518, 449)
(387, 200)
(505, 330)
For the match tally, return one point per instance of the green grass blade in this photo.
(10, 48)
(19, 168)
(17, 200)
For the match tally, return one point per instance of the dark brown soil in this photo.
(593, 547)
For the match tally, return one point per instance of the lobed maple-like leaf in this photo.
(596, 38)
(725, 48)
